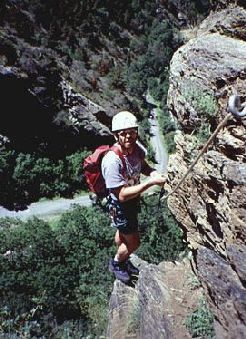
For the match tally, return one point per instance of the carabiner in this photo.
(235, 107)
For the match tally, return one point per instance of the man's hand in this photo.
(125, 193)
(157, 178)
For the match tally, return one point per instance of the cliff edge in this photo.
(210, 205)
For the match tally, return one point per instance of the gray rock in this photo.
(225, 291)
(210, 204)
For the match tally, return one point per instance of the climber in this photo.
(122, 178)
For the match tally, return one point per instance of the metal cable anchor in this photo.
(236, 107)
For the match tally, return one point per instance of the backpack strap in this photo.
(117, 151)
(140, 150)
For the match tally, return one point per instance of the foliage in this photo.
(74, 163)
(205, 106)
(203, 102)
(193, 281)
(29, 177)
(200, 322)
(55, 281)
(161, 235)
(51, 276)
(153, 60)
(203, 133)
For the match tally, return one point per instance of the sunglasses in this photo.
(130, 132)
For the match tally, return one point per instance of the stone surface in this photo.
(210, 204)
(157, 305)
(69, 95)
(225, 290)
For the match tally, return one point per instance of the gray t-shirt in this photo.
(123, 215)
(112, 168)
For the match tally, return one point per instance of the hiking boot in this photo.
(131, 268)
(120, 270)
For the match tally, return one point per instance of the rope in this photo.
(204, 149)
(236, 109)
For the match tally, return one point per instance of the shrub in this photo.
(155, 50)
(200, 322)
(162, 238)
(29, 177)
(203, 102)
(51, 276)
(74, 174)
(203, 133)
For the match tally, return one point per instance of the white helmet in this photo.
(124, 120)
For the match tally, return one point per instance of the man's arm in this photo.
(125, 193)
(146, 168)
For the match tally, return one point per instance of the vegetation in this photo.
(55, 280)
(27, 177)
(193, 281)
(150, 70)
(162, 238)
(200, 322)
(205, 108)
(53, 276)
(203, 102)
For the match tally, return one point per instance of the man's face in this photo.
(128, 137)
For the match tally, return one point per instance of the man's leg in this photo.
(120, 265)
(117, 239)
(127, 244)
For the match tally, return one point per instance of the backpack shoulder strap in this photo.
(141, 150)
(117, 151)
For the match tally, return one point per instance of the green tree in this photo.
(55, 274)
(7, 186)
(162, 238)
(74, 163)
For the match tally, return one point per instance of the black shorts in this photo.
(124, 215)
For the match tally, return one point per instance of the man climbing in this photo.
(122, 177)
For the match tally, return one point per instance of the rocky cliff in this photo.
(58, 74)
(46, 80)
(210, 205)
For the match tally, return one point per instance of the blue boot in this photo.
(131, 268)
(120, 270)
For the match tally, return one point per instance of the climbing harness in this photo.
(235, 109)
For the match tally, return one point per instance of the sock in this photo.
(116, 258)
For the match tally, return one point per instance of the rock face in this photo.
(210, 205)
(55, 92)
(156, 306)
(44, 98)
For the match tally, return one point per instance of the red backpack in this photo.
(92, 169)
